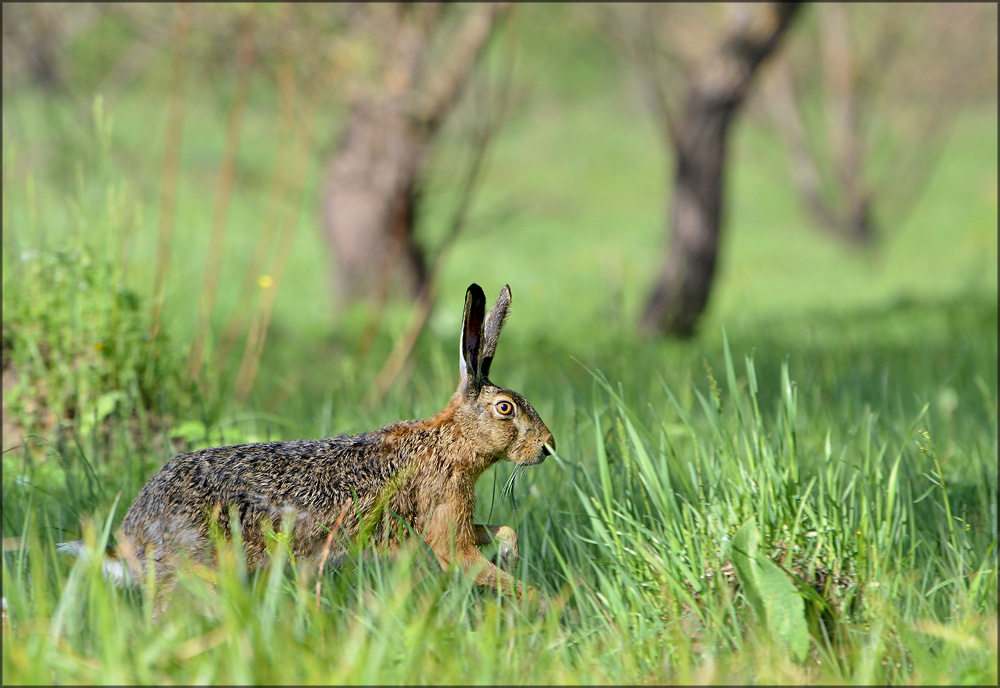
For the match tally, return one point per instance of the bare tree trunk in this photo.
(846, 144)
(36, 37)
(372, 185)
(368, 202)
(716, 92)
(845, 210)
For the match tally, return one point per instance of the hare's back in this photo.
(262, 479)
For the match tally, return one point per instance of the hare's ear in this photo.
(491, 330)
(472, 339)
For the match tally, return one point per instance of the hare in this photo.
(409, 477)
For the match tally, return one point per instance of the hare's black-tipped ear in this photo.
(472, 338)
(491, 330)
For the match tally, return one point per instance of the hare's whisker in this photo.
(508, 486)
(513, 478)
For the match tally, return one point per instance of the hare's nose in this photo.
(549, 446)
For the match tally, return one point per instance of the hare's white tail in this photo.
(114, 569)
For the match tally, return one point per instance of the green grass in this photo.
(841, 408)
(885, 519)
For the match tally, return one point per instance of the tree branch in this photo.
(471, 38)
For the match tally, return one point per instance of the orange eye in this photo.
(505, 408)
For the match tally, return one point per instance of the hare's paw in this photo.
(507, 556)
(536, 601)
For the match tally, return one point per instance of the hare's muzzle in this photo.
(548, 448)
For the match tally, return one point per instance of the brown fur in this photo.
(408, 477)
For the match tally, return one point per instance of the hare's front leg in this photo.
(507, 556)
(453, 544)
(489, 576)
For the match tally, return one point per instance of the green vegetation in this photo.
(831, 436)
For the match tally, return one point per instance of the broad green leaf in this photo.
(774, 598)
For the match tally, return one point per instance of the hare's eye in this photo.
(505, 408)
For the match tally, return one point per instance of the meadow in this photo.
(806, 492)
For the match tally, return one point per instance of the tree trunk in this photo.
(369, 203)
(372, 184)
(716, 92)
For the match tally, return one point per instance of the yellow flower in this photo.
(265, 281)
(99, 346)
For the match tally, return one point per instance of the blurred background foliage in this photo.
(215, 215)
(181, 153)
